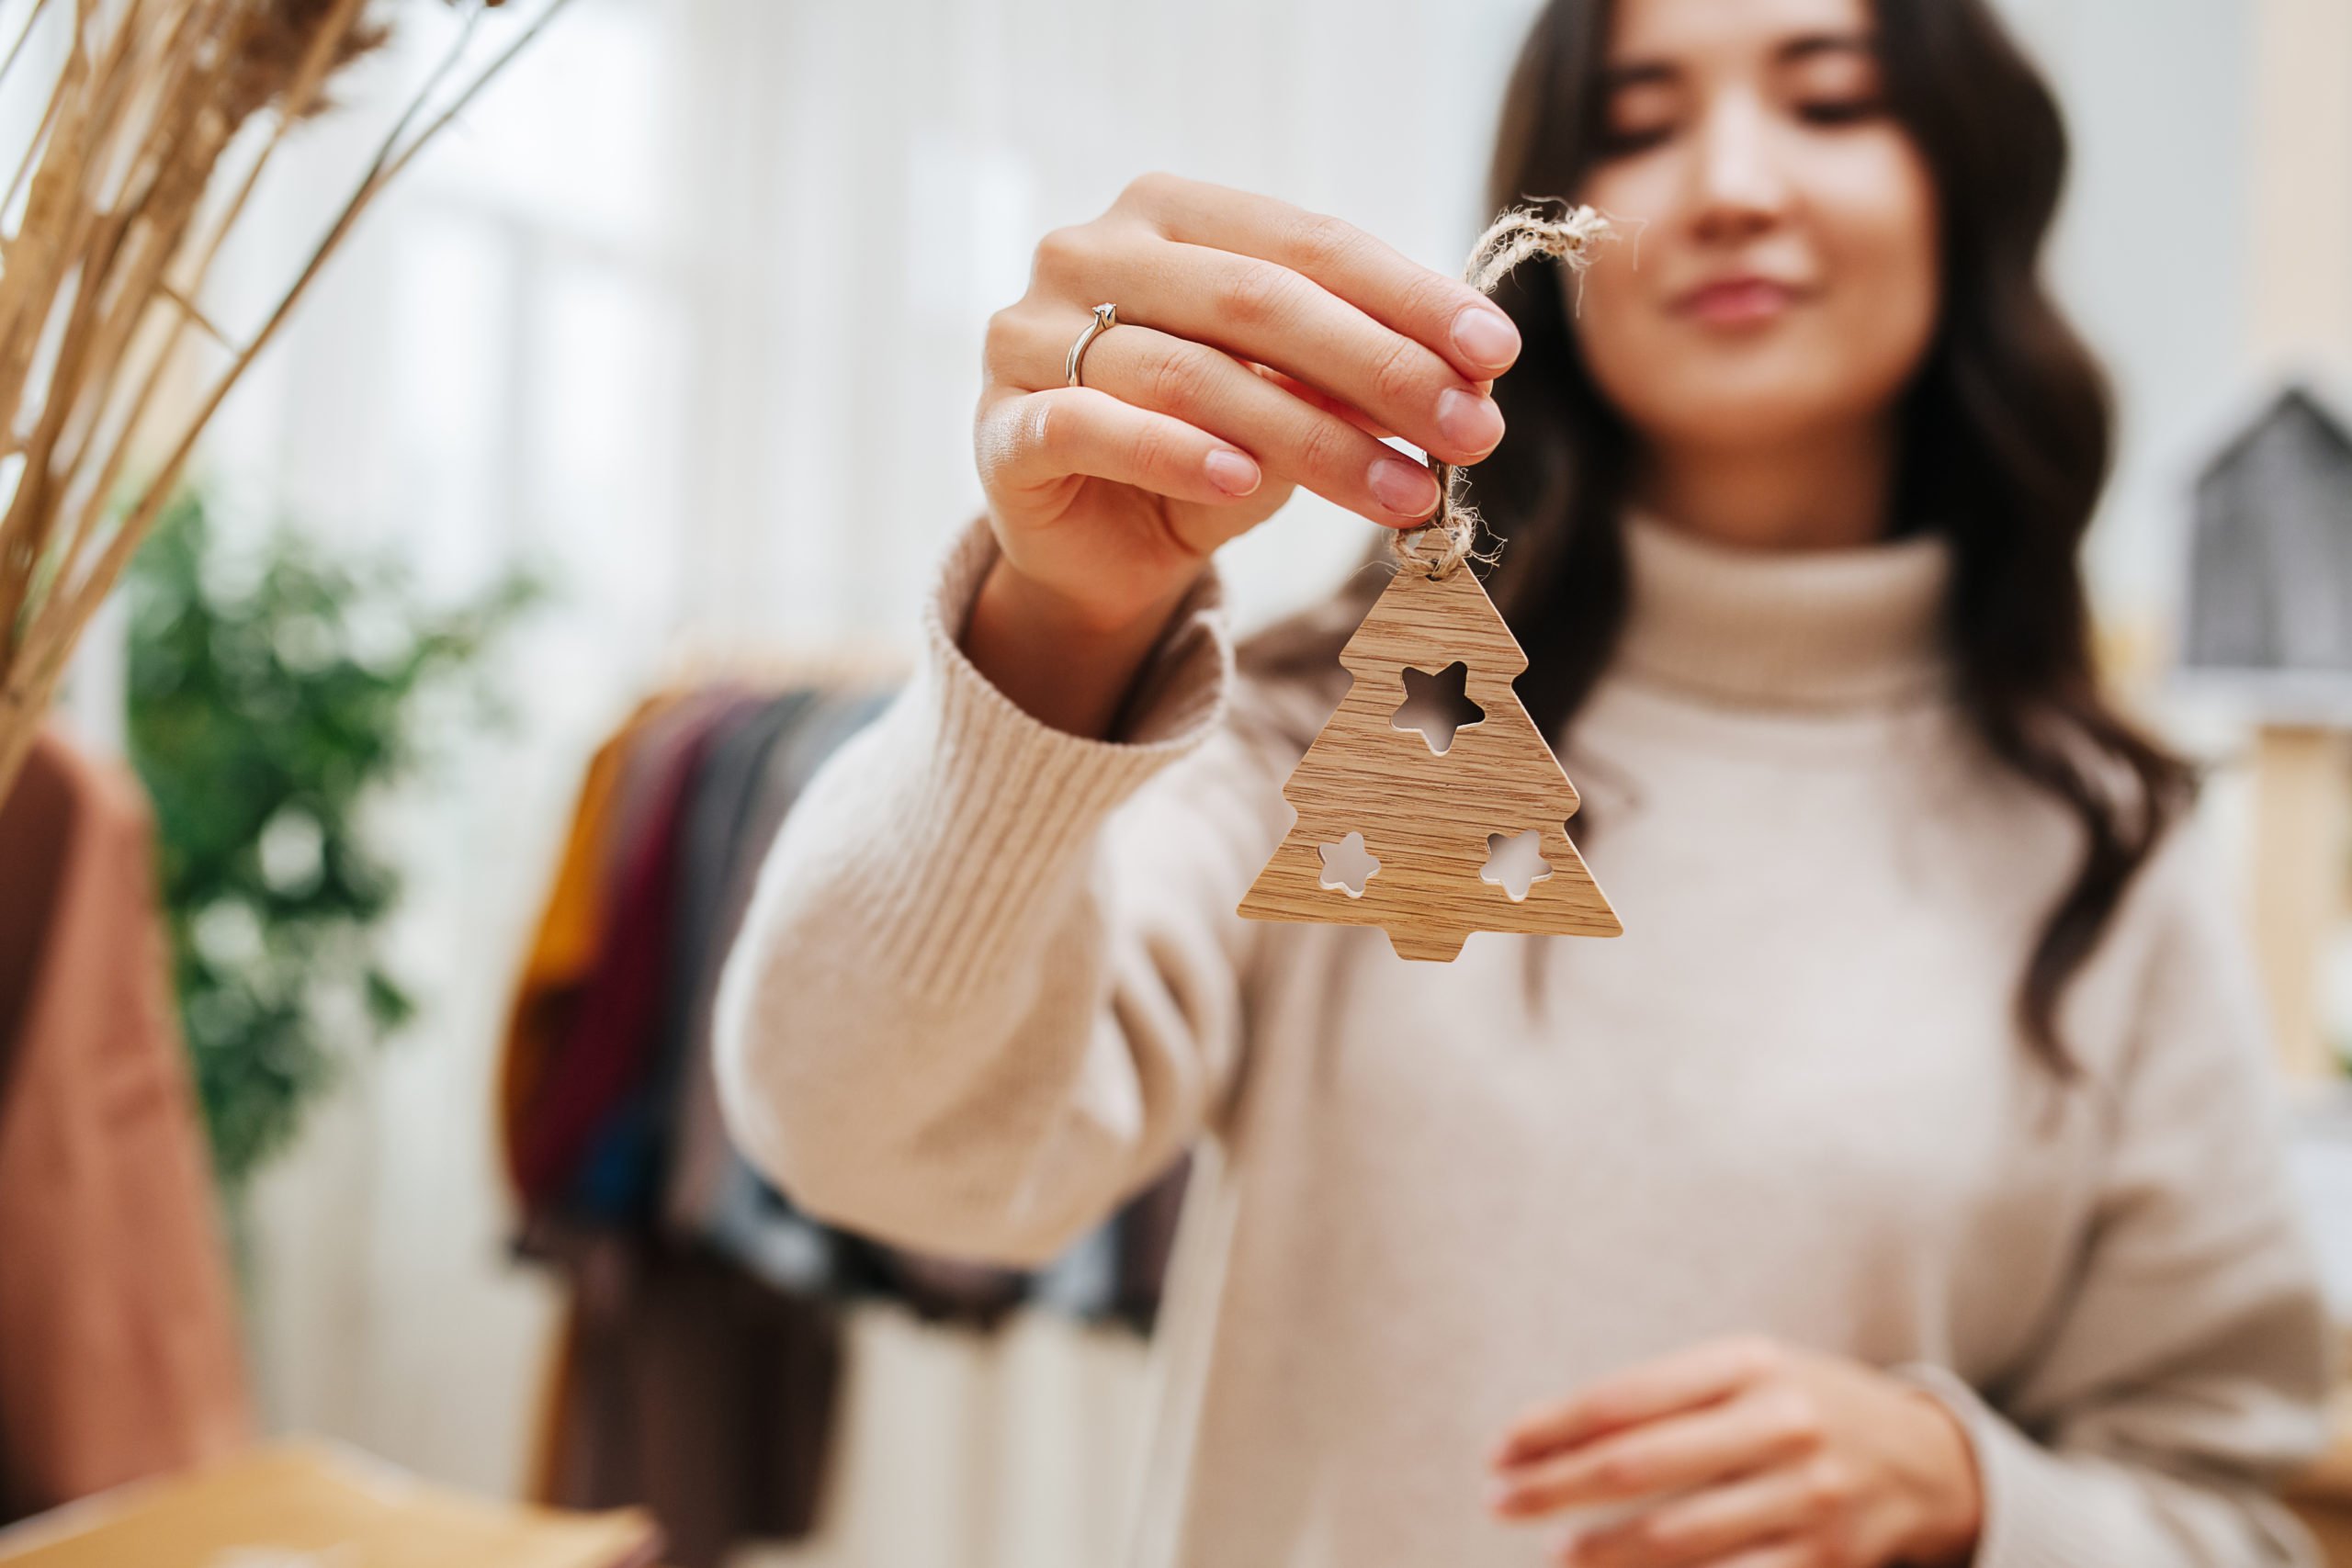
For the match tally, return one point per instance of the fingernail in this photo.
(1486, 336)
(1407, 489)
(1232, 472)
(1473, 423)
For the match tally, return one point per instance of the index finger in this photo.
(1332, 405)
(1475, 335)
(1702, 1374)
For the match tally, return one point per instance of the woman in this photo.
(1904, 1187)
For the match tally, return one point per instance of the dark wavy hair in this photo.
(2005, 436)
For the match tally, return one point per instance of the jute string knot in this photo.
(1450, 538)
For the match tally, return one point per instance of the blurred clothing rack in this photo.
(699, 1366)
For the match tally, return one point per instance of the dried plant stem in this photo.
(24, 36)
(302, 93)
(97, 283)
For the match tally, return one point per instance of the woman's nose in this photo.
(1739, 185)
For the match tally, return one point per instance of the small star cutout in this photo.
(1438, 704)
(1515, 861)
(1347, 864)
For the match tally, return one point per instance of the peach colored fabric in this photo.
(119, 1342)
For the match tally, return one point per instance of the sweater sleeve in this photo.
(2190, 1369)
(989, 984)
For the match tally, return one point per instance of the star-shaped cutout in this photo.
(1515, 861)
(1438, 704)
(1347, 864)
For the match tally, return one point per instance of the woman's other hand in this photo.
(1259, 347)
(1762, 1455)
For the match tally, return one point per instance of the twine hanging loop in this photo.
(1450, 538)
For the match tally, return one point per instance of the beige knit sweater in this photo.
(993, 981)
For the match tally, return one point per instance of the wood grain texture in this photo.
(1427, 817)
(2300, 835)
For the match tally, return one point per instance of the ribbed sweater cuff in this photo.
(2035, 1514)
(996, 808)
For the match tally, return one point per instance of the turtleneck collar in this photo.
(1815, 629)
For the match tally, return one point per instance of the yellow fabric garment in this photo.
(563, 952)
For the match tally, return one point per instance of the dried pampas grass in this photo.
(122, 197)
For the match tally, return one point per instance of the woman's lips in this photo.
(1736, 301)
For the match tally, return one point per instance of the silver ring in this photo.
(1106, 316)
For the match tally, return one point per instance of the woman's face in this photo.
(1786, 279)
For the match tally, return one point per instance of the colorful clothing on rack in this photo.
(630, 1184)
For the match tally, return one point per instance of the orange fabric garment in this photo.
(563, 952)
(119, 1355)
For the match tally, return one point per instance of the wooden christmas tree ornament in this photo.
(1428, 825)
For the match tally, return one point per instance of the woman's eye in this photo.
(1622, 141)
(1636, 115)
(1840, 111)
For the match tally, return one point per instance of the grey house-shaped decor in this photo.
(2268, 614)
(2266, 635)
